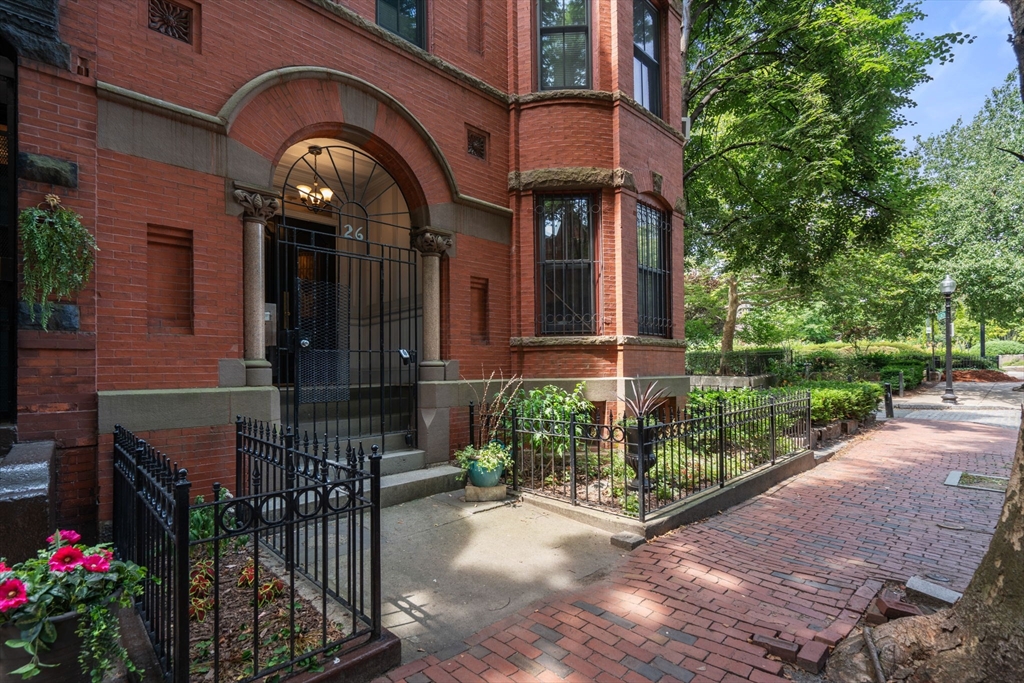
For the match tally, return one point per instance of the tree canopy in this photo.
(975, 212)
(793, 106)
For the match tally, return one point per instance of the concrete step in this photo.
(401, 488)
(400, 461)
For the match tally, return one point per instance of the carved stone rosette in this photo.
(427, 241)
(257, 208)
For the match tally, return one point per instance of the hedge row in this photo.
(831, 401)
(913, 373)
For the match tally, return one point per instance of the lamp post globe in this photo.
(947, 287)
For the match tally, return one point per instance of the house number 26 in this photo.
(354, 233)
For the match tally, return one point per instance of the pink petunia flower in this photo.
(4, 568)
(12, 595)
(96, 563)
(66, 536)
(66, 559)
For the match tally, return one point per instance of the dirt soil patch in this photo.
(980, 376)
(238, 604)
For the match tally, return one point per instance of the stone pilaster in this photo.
(257, 208)
(431, 243)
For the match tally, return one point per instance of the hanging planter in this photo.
(58, 255)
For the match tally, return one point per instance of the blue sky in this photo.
(959, 89)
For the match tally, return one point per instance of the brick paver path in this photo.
(799, 562)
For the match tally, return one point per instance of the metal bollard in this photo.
(888, 400)
(901, 384)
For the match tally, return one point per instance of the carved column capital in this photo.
(431, 241)
(256, 207)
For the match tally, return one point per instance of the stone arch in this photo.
(284, 106)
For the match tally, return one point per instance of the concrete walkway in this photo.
(970, 396)
(799, 563)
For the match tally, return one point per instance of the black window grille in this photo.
(653, 272)
(564, 44)
(565, 263)
(646, 56)
(405, 18)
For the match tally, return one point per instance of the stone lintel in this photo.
(571, 177)
(154, 409)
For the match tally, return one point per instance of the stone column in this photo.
(431, 243)
(256, 209)
(433, 420)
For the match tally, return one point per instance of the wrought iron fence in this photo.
(272, 580)
(637, 468)
(735, 363)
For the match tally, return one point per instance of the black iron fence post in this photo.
(239, 427)
(888, 400)
(771, 426)
(721, 443)
(810, 424)
(572, 457)
(472, 419)
(641, 466)
(515, 451)
(182, 489)
(138, 543)
(375, 560)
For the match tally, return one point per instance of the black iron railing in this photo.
(638, 468)
(271, 580)
(735, 363)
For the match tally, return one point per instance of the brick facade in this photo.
(163, 130)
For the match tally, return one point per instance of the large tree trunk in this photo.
(733, 307)
(1017, 22)
(980, 639)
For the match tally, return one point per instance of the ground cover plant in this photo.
(244, 589)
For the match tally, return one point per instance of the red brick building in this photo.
(328, 213)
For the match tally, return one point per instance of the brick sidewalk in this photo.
(798, 563)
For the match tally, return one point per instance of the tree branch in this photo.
(740, 145)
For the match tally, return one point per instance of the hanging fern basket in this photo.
(58, 255)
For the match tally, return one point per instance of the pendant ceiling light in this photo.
(315, 198)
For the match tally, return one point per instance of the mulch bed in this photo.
(980, 376)
(236, 626)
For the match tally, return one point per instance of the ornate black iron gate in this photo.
(8, 241)
(347, 301)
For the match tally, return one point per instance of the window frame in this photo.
(653, 64)
(659, 221)
(421, 24)
(589, 324)
(548, 30)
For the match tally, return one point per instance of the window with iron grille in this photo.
(565, 263)
(646, 56)
(653, 272)
(564, 44)
(405, 18)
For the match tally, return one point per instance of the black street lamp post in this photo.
(947, 287)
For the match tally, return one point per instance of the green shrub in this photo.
(999, 347)
(913, 373)
(832, 401)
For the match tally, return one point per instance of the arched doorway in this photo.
(344, 281)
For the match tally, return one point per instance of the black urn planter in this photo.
(633, 458)
(63, 653)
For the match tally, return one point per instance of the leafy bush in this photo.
(492, 456)
(999, 347)
(913, 373)
(832, 401)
